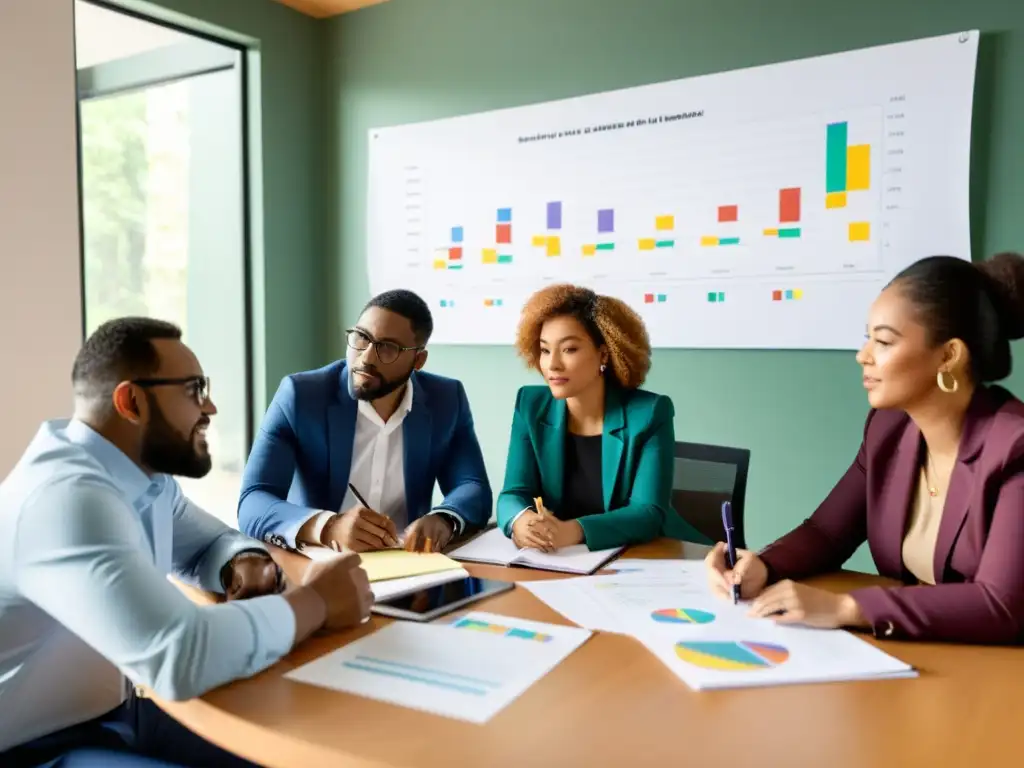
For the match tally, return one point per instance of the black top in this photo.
(584, 494)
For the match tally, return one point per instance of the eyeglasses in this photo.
(199, 386)
(387, 351)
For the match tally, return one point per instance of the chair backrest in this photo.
(704, 476)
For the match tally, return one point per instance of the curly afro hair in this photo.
(608, 321)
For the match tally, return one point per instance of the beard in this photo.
(164, 450)
(374, 390)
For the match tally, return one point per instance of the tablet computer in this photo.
(432, 602)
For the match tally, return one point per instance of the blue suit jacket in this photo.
(300, 459)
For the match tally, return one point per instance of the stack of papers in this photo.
(709, 642)
(496, 548)
(468, 669)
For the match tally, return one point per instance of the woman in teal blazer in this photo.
(590, 459)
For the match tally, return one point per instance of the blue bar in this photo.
(456, 234)
(504, 215)
(554, 215)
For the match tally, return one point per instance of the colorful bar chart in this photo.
(655, 298)
(496, 629)
(492, 302)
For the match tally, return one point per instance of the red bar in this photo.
(455, 253)
(789, 205)
(648, 298)
(728, 213)
(504, 234)
(776, 295)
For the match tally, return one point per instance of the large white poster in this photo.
(764, 207)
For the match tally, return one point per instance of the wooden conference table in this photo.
(613, 703)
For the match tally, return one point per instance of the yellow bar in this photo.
(540, 240)
(440, 264)
(860, 231)
(772, 232)
(707, 240)
(488, 302)
(835, 200)
(490, 256)
(662, 223)
(646, 244)
(589, 250)
(554, 245)
(798, 293)
(858, 167)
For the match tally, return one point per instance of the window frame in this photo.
(159, 67)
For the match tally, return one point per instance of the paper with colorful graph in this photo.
(469, 668)
(706, 641)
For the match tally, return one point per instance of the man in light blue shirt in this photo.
(91, 524)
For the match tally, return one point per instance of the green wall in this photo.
(801, 413)
(289, 293)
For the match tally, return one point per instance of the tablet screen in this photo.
(434, 600)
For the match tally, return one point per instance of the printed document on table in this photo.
(469, 669)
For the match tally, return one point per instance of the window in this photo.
(163, 196)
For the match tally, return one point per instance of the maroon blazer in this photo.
(979, 555)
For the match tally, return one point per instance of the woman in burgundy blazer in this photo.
(937, 488)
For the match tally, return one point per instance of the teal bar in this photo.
(606, 246)
(728, 241)
(505, 258)
(665, 244)
(835, 158)
(454, 266)
(792, 232)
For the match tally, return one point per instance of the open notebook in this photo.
(495, 547)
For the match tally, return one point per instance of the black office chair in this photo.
(703, 478)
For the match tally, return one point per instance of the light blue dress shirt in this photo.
(87, 540)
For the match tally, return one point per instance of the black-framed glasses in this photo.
(387, 351)
(198, 386)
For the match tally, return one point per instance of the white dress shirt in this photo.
(87, 540)
(378, 468)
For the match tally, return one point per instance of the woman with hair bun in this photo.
(591, 455)
(937, 488)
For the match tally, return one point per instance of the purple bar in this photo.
(554, 215)
(606, 220)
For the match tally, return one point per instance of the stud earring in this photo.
(603, 368)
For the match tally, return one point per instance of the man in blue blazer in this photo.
(347, 455)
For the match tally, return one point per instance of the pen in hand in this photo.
(730, 547)
(361, 500)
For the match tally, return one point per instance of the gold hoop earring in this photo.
(949, 389)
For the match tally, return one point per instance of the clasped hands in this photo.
(540, 529)
(786, 602)
(360, 529)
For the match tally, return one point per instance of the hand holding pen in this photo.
(360, 529)
(734, 573)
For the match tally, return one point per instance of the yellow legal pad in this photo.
(397, 564)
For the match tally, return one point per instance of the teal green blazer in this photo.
(637, 460)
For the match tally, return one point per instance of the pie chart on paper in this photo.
(682, 616)
(728, 656)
